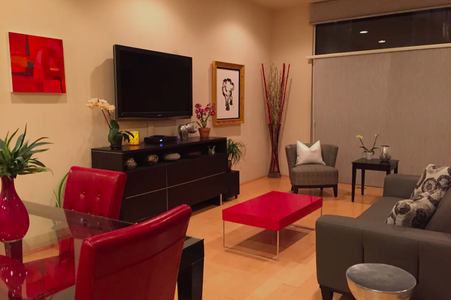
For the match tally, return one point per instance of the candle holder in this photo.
(134, 141)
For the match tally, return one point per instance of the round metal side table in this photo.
(380, 282)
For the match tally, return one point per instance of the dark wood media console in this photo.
(153, 189)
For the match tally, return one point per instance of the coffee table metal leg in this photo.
(248, 253)
(305, 227)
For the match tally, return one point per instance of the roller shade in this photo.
(330, 11)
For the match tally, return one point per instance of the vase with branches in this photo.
(115, 136)
(275, 84)
(16, 160)
(236, 151)
(369, 152)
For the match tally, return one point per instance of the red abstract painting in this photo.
(37, 64)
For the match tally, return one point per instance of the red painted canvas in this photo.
(37, 64)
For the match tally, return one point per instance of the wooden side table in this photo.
(373, 165)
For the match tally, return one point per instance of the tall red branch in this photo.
(284, 94)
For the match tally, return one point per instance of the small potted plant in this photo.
(202, 115)
(369, 152)
(236, 151)
(17, 158)
(115, 136)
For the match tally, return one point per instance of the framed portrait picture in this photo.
(228, 93)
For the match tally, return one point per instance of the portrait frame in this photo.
(226, 95)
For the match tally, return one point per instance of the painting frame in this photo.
(219, 118)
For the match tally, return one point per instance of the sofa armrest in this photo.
(342, 242)
(400, 186)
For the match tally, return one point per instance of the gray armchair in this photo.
(314, 176)
(342, 242)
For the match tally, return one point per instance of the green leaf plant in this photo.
(21, 159)
(236, 151)
(59, 195)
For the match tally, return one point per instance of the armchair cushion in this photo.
(313, 175)
(309, 155)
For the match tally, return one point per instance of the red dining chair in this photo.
(94, 191)
(139, 262)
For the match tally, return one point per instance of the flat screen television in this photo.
(152, 85)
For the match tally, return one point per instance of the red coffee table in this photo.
(273, 211)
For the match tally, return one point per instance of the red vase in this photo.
(14, 220)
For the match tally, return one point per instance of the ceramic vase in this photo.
(14, 220)
(204, 132)
(369, 155)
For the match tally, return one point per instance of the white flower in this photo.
(110, 108)
(90, 105)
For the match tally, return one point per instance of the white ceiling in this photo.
(281, 3)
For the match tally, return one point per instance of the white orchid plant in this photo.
(365, 149)
(115, 135)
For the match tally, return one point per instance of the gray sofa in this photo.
(313, 175)
(342, 242)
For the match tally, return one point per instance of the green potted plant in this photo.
(115, 136)
(60, 194)
(19, 159)
(236, 151)
(369, 152)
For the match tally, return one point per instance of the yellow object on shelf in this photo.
(134, 141)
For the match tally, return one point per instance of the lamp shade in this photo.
(134, 141)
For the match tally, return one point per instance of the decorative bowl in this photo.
(193, 154)
(152, 159)
(172, 156)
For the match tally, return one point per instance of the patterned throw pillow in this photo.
(418, 210)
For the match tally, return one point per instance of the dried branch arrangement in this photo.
(275, 91)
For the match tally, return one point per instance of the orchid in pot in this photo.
(115, 136)
(202, 115)
(19, 159)
(369, 152)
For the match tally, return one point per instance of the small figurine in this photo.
(211, 150)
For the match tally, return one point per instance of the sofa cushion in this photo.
(441, 220)
(379, 210)
(313, 175)
(413, 213)
(434, 180)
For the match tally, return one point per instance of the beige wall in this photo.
(203, 29)
(292, 38)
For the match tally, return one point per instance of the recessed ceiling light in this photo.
(382, 42)
(364, 32)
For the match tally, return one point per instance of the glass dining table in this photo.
(28, 267)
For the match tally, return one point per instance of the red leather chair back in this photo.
(139, 262)
(98, 192)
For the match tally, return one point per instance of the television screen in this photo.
(152, 85)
